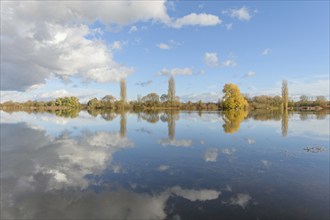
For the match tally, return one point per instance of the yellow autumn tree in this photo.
(232, 98)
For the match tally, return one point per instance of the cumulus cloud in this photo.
(39, 42)
(211, 59)
(242, 14)
(36, 50)
(194, 19)
(175, 71)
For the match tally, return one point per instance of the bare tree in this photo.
(171, 89)
(123, 90)
(285, 94)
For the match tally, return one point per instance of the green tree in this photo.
(233, 99)
(94, 103)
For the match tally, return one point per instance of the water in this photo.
(186, 165)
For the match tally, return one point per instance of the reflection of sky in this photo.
(59, 166)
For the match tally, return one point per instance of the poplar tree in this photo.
(285, 94)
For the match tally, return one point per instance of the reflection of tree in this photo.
(321, 115)
(149, 116)
(264, 115)
(67, 113)
(233, 120)
(108, 115)
(303, 116)
(285, 123)
(171, 126)
(94, 112)
(123, 122)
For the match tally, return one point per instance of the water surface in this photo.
(167, 165)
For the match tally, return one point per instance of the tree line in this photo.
(232, 99)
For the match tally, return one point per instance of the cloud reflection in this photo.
(241, 199)
(211, 155)
(175, 142)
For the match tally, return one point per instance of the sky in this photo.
(71, 48)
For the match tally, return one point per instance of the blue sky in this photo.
(62, 48)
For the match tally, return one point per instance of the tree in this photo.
(123, 90)
(233, 99)
(93, 103)
(164, 98)
(285, 94)
(171, 89)
(321, 100)
(151, 99)
(109, 98)
(304, 98)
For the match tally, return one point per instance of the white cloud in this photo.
(250, 74)
(117, 45)
(194, 19)
(38, 41)
(229, 63)
(55, 49)
(42, 39)
(211, 155)
(205, 97)
(163, 46)
(133, 29)
(175, 71)
(170, 45)
(211, 59)
(266, 51)
(242, 13)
